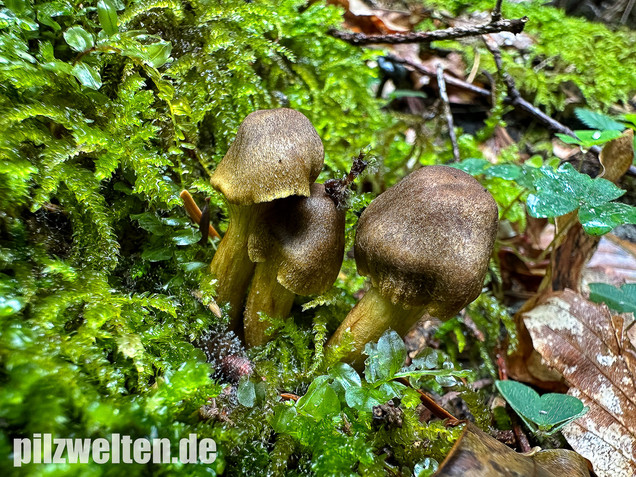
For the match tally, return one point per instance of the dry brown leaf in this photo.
(476, 454)
(617, 155)
(592, 350)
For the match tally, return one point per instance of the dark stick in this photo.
(514, 26)
(441, 84)
(516, 100)
(496, 12)
(449, 79)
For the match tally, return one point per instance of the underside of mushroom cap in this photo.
(427, 240)
(276, 153)
(305, 239)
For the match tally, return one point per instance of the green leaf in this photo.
(564, 190)
(507, 172)
(545, 411)
(604, 218)
(587, 139)
(107, 14)
(386, 358)
(246, 392)
(320, 400)
(157, 54)
(472, 166)
(187, 237)
(598, 121)
(554, 195)
(157, 254)
(364, 398)
(622, 300)
(344, 377)
(87, 75)
(79, 39)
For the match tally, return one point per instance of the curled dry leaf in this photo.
(476, 454)
(593, 351)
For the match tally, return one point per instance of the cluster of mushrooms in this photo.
(424, 243)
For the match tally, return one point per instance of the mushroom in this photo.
(298, 249)
(277, 153)
(425, 243)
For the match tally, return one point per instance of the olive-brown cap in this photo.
(276, 153)
(305, 237)
(427, 240)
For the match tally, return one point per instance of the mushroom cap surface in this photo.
(305, 238)
(276, 153)
(427, 240)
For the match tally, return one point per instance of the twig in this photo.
(514, 26)
(437, 410)
(441, 84)
(514, 97)
(194, 212)
(495, 16)
(449, 79)
(627, 12)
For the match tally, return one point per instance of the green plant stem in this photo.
(266, 296)
(231, 265)
(371, 317)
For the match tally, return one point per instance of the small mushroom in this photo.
(298, 250)
(277, 153)
(425, 243)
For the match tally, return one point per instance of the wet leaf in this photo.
(79, 39)
(320, 399)
(107, 14)
(593, 352)
(87, 75)
(385, 358)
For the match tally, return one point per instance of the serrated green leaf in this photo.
(107, 14)
(604, 218)
(622, 300)
(87, 75)
(598, 121)
(79, 39)
(587, 139)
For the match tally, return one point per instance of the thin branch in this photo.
(514, 97)
(441, 84)
(495, 16)
(514, 26)
(627, 12)
(449, 79)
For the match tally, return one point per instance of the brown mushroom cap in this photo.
(427, 240)
(305, 240)
(276, 153)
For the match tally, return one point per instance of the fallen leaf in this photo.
(592, 350)
(476, 454)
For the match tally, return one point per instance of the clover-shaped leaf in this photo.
(549, 412)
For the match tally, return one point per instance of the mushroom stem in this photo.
(266, 296)
(369, 319)
(231, 265)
